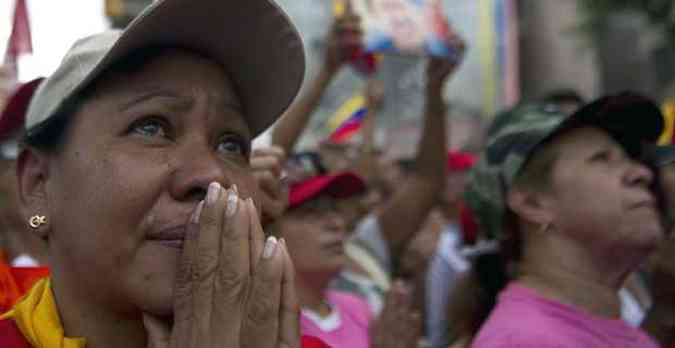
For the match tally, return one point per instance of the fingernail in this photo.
(270, 247)
(232, 202)
(197, 213)
(213, 193)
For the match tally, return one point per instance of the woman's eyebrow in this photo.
(181, 102)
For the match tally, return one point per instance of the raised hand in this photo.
(374, 94)
(438, 71)
(344, 38)
(399, 325)
(232, 288)
(267, 165)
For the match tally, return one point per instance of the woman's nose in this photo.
(194, 171)
(639, 174)
(336, 222)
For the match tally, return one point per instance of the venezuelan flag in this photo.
(347, 120)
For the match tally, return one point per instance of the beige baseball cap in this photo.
(253, 40)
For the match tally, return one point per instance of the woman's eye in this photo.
(149, 128)
(233, 145)
(600, 157)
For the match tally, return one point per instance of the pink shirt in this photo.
(524, 319)
(346, 327)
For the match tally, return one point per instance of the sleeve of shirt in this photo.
(368, 234)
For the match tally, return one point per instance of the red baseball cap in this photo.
(460, 161)
(341, 185)
(14, 114)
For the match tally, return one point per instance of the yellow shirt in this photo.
(38, 319)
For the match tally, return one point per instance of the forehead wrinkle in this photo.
(220, 101)
(218, 106)
(174, 100)
(585, 136)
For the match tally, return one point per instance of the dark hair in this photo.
(50, 135)
(475, 295)
(477, 292)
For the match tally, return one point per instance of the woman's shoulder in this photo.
(350, 304)
(343, 297)
(509, 339)
(532, 328)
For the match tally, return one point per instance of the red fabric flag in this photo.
(20, 41)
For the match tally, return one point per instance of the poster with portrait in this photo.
(406, 27)
(486, 82)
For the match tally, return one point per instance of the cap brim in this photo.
(253, 40)
(631, 119)
(339, 186)
(660, 156)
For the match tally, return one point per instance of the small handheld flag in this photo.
(348, 119)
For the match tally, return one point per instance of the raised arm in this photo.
(404, 214)
(366, 163)
(342, 39)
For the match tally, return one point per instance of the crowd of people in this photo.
(136, 213)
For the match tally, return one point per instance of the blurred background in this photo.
(517, 50)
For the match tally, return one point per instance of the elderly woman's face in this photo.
(601, 197)
(137, 159)
(315, 234)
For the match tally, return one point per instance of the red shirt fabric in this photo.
(11, 336)
(16, 281)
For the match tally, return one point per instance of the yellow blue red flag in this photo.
(348, 119)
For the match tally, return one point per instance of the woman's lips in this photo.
(337, 247)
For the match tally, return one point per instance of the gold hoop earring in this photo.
(37, 221)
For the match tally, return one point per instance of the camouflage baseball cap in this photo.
(630, 118)
(521, 113)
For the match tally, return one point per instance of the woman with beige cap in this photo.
(136, 174)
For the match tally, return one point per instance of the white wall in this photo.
(55, 25)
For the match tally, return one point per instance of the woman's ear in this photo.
(31, 170)
(530, 206)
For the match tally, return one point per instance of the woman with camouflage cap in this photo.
(575, 215)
